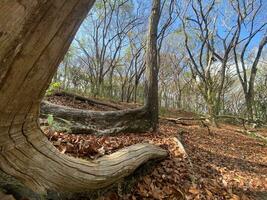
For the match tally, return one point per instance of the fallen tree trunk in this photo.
(180, 120)
(100, 122)
(244, 121)
(237, 118)
(34, 37)
(88, 100)
(185, 118)
(253, 134)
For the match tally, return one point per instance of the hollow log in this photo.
(34, 36)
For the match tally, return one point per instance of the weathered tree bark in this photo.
(152, 68)
(101, 122)
(34, 36)
(98, 122)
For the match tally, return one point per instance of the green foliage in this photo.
(99, 5)
(57, 125)
(55, 86)
(52, 123)
(50, 120)
(126, 7)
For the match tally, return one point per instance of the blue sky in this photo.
(224, 13)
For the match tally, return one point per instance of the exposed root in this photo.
(107, 122)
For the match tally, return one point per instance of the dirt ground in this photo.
(220, 164)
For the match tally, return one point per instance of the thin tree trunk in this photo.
(152, 68)
(110, 92)
(249, 104)
(65, 85)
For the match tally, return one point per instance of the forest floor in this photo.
(220, 164)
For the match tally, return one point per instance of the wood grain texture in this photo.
(131, 120)
(35, 36)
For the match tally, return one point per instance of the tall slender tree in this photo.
(152, 68)
(247, 13)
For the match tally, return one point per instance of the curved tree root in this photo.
(41, 167)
